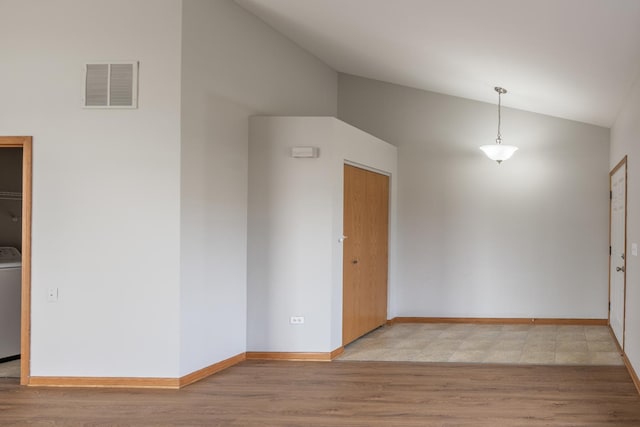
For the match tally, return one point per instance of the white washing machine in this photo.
(10, 291)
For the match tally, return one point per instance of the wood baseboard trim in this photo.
(133, 382)
(615, 341)
(107, 382)
(627, 362)
(499, 320)
(337, 352)
(294, 356)
(211, 369)
(632, 372)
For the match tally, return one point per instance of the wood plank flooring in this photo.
(272, 393)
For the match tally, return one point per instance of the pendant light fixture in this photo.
(498, 151)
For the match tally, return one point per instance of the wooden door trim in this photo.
(617, 167)
(24, 142)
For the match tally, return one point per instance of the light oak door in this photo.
(365, 256)
(618, 244)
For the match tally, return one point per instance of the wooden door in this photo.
(617, 254)
(365, 257)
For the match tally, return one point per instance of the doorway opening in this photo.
(618, 249)
(15, 209)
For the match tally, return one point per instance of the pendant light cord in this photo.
(499, 140)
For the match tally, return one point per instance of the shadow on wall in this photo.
(11, 197)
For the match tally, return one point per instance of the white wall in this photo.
(295, 221)
(233, 66)
(144, 235)
(105, 183)
(625, 140)
(527, 238)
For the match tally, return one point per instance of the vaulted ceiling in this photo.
(575, 59)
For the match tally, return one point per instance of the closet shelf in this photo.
(10, 195)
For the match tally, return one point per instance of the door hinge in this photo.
(609, 306)
(609, 250)
(610, 195)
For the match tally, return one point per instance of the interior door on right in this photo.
(365, 256)
(617, 257)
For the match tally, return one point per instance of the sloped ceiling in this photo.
(575, 59)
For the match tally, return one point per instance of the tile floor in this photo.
(473, 343)
(10, 369)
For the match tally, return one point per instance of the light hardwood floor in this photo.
(271, 393)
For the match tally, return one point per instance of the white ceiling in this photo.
(575, 59)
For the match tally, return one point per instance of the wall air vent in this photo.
(111, 85)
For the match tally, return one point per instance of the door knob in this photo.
(355, 261)
(620, 269)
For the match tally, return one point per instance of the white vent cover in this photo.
(111, 85)
(304, 152)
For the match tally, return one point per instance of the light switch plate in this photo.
(634, 249)
(296, 320)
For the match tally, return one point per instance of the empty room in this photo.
(319, 212)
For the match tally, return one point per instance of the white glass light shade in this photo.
(499, 152)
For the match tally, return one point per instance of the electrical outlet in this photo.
(52, 294)
(296, 320)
